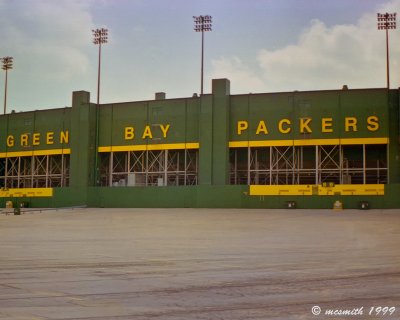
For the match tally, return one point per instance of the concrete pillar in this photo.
(205, 140)
(82, 142)
(214, 135)
(220, 152)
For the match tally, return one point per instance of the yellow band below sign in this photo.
(318, 190)
(143, 147)
(307, 142)
(26, 192)
(50, 152)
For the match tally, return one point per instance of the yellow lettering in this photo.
(24, 140)
(281, 128)
(304, 122)
(326, 125)
(64, 137)
(129, 133)
(36, 139)
(350, 122)
(10, 141)
(373, 123)
(241, 126)
(147, 133)
(50, 137)
(262, 127)
(164, 130)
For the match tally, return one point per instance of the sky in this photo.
(259, 45)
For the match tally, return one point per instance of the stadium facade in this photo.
(217, 150)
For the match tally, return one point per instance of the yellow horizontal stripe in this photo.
(316, 142)
(280, 190)
(143, 147)
(49, 152)
(365, 141)
(308, 190)
(353, 190)
(307, 142)
(26, 192)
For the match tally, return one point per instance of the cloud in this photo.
(242, 77)
(322, 58)
(48, 35)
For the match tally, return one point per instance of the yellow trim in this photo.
(143, 147)
(316, 142)
(353, 190)
(308, 190)
(307, 142)
(26, 192)
(49, 152)
(281, 190)
(365, 141)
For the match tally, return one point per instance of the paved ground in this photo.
(198, 264)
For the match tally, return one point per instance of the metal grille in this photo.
(35, 171)
(353, 164)
(149, 168)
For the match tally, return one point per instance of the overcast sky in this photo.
(260, 45)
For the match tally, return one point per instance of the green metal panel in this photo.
(192, 119)
(3, 132)
(362, 104)
(105, 125)
(316, 106)
(168, 112)
(394, 134)
(294, 106)
(200, 196)
(180, 114)
(40, 127)
(270, 109)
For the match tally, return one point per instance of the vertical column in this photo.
(205, 140)
(214, 135)
(393, 132)
(220, 153)
(82, 142)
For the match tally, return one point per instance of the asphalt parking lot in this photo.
(199, 264)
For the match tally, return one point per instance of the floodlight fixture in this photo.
(386, 21)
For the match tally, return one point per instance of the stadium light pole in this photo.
(100, 36)
(7, 65)
(387, 21)
(202, 24)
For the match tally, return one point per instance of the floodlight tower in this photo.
(100, 37)
(7, 65)
(387, 21)
(202, 24)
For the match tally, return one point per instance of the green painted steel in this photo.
(220, 127)
(200, 196)
(46, 125)
(180, 114)
(83, 121)
(205, 139)
(338, 104)
(394, 136)
(211, 121)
